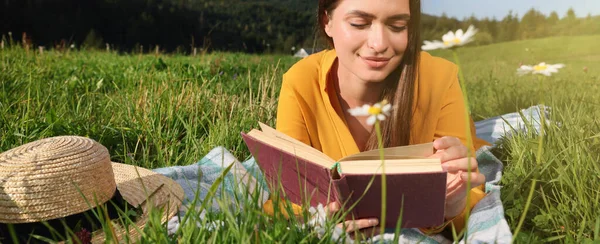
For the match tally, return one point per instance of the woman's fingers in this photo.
(449, 148)
(476, 178)
(356, 225)
(366, 233)
(463, 177)
(461, 164)
(360, 225)
(451, 153)
(459, 191)
(453, 181)
(333, 206)
(446, 142)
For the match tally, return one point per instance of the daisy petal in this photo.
(360, 111)
(429, 47)
(471, 31)
(380, 117)
(467, 40)
(459, 33)
(371, 120)
(526, 67)
(365, 108)
(448, 37)
(386, 109)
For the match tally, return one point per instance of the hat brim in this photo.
(143, 189)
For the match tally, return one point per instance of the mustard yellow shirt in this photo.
(308, 109)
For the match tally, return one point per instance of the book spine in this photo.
(342, 192)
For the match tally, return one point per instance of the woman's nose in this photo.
(377, 39)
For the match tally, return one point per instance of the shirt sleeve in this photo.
(453, 121)
(452, 118)
(290, 119)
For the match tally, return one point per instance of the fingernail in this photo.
(373, 221)
(444, 167)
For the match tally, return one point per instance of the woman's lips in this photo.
(375, 62)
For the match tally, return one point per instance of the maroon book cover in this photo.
(423, 194)
(302, 182)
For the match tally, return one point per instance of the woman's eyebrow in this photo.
(400, 17)
(361, 14)
(364, 14)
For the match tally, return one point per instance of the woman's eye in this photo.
(357, 25)
(397, 28)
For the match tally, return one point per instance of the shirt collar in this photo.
(327, 61)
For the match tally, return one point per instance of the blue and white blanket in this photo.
(486, 223)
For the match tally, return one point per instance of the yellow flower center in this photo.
(455, 41)
(540, 67)
(374, 110)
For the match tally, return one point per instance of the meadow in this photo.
(165, 110)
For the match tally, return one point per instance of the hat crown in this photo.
(54, 177)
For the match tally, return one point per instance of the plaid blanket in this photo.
(486, 223)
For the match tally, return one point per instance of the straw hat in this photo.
(57, 177)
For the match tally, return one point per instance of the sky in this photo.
(499, 8)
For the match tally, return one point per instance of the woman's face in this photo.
(370, 36)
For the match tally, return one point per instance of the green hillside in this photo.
(164, 110)
(492, 68)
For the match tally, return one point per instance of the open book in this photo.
(416, 185)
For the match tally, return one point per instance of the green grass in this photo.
(158, 111)
(564, 206)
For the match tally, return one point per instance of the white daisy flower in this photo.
(378, 111)
(541, 68)
(451, 39)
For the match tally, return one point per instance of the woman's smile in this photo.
(375, 62)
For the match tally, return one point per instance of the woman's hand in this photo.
(453, 155)
(366, 227)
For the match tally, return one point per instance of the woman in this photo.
(376, 56)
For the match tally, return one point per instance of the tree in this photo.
(552, 19)
(533, 25)
(508, 27)
(93, 40)
(489, 26)
(444, 24)
(570, 22)
(570, 15)
(472, 21)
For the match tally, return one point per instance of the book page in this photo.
(314, 156)
(393, 166)
(411, 151)
(268, 130)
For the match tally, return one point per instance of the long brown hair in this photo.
(400, 93)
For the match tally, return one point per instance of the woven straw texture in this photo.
(38, 182)
(46, 179)
(164, 195)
